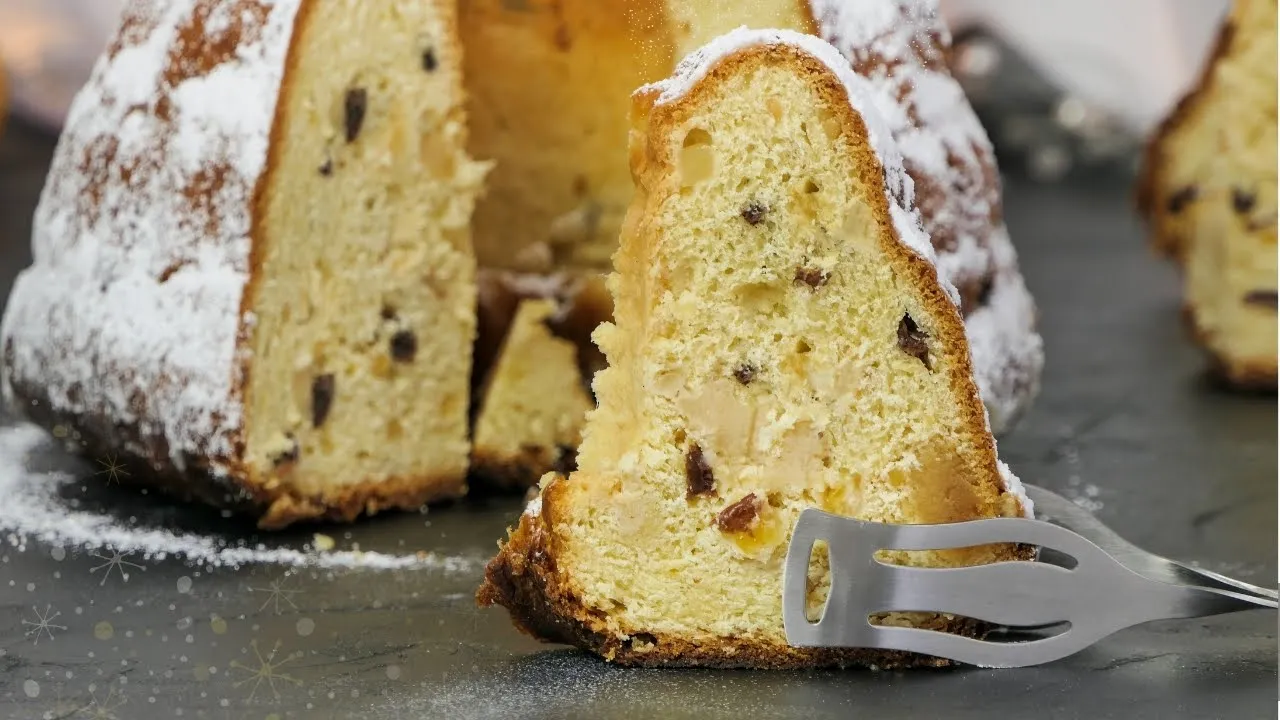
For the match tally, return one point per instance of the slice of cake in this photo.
(560, 184)
(1209, 194)
(534, 364)
(253, 277)
(782, 340)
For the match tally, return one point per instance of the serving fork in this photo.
(1086, 583)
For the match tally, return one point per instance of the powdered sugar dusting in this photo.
(898, 45)
(1015, 488)
(899, 188)
(33, 510)
(131, 311)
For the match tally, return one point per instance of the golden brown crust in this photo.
(1150, 196)
(495, 471)
(524, 579)
(274, 505)
(1244, 375)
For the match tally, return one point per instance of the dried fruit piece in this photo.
(754, 213)
(1243, 200)
(322, 389)
(567, 460)
(912, 340)
(813, 277)
(289, 453)
(745, 373)
(1183, 197)
(984, 291)
(741, 516)
(354, 108)
(404, 346)
(701, 481)
(429, 60)
(1266, 298)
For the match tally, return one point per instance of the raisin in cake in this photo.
(560, 186)
(533, 388)
(782, 340)
(253, 274)
(1209, 194)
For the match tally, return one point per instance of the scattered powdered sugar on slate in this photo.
(567, 684)
(34, 508)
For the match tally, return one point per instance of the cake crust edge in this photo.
(524, 579)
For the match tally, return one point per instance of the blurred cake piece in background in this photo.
(1208, 192)
(4, 98)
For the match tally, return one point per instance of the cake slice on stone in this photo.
(1208, 192)
(781, 341)
(253, 278)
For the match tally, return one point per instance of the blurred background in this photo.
(1063, 86)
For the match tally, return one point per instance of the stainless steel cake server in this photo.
(1086, 583)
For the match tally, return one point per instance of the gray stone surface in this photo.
(1125, 420)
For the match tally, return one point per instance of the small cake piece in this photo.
(560, 186)
(253, 278)
(782, 340)
(534, 402)
(1208, 192)
(534, 364)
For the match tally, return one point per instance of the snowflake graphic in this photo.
(115, 560)
(268, 671)
(276, 592)
(105, 708)
(43, 624)
(113, 469)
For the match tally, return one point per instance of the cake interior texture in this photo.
(365, 299)
(774, 349)
(555, 122)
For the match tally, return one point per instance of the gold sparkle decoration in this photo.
(277, 592)
(117, 561)
(268, 671)
(113, 469)
(43, 624)
(104, 708)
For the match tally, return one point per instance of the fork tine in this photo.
(1011, 593)
(982, 653)
(991, 530)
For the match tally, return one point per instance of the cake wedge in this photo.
(253, 281)
(781, 340)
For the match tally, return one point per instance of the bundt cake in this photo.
(1208, 191)
(253, 274)
(782, 340)
(559, 187)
